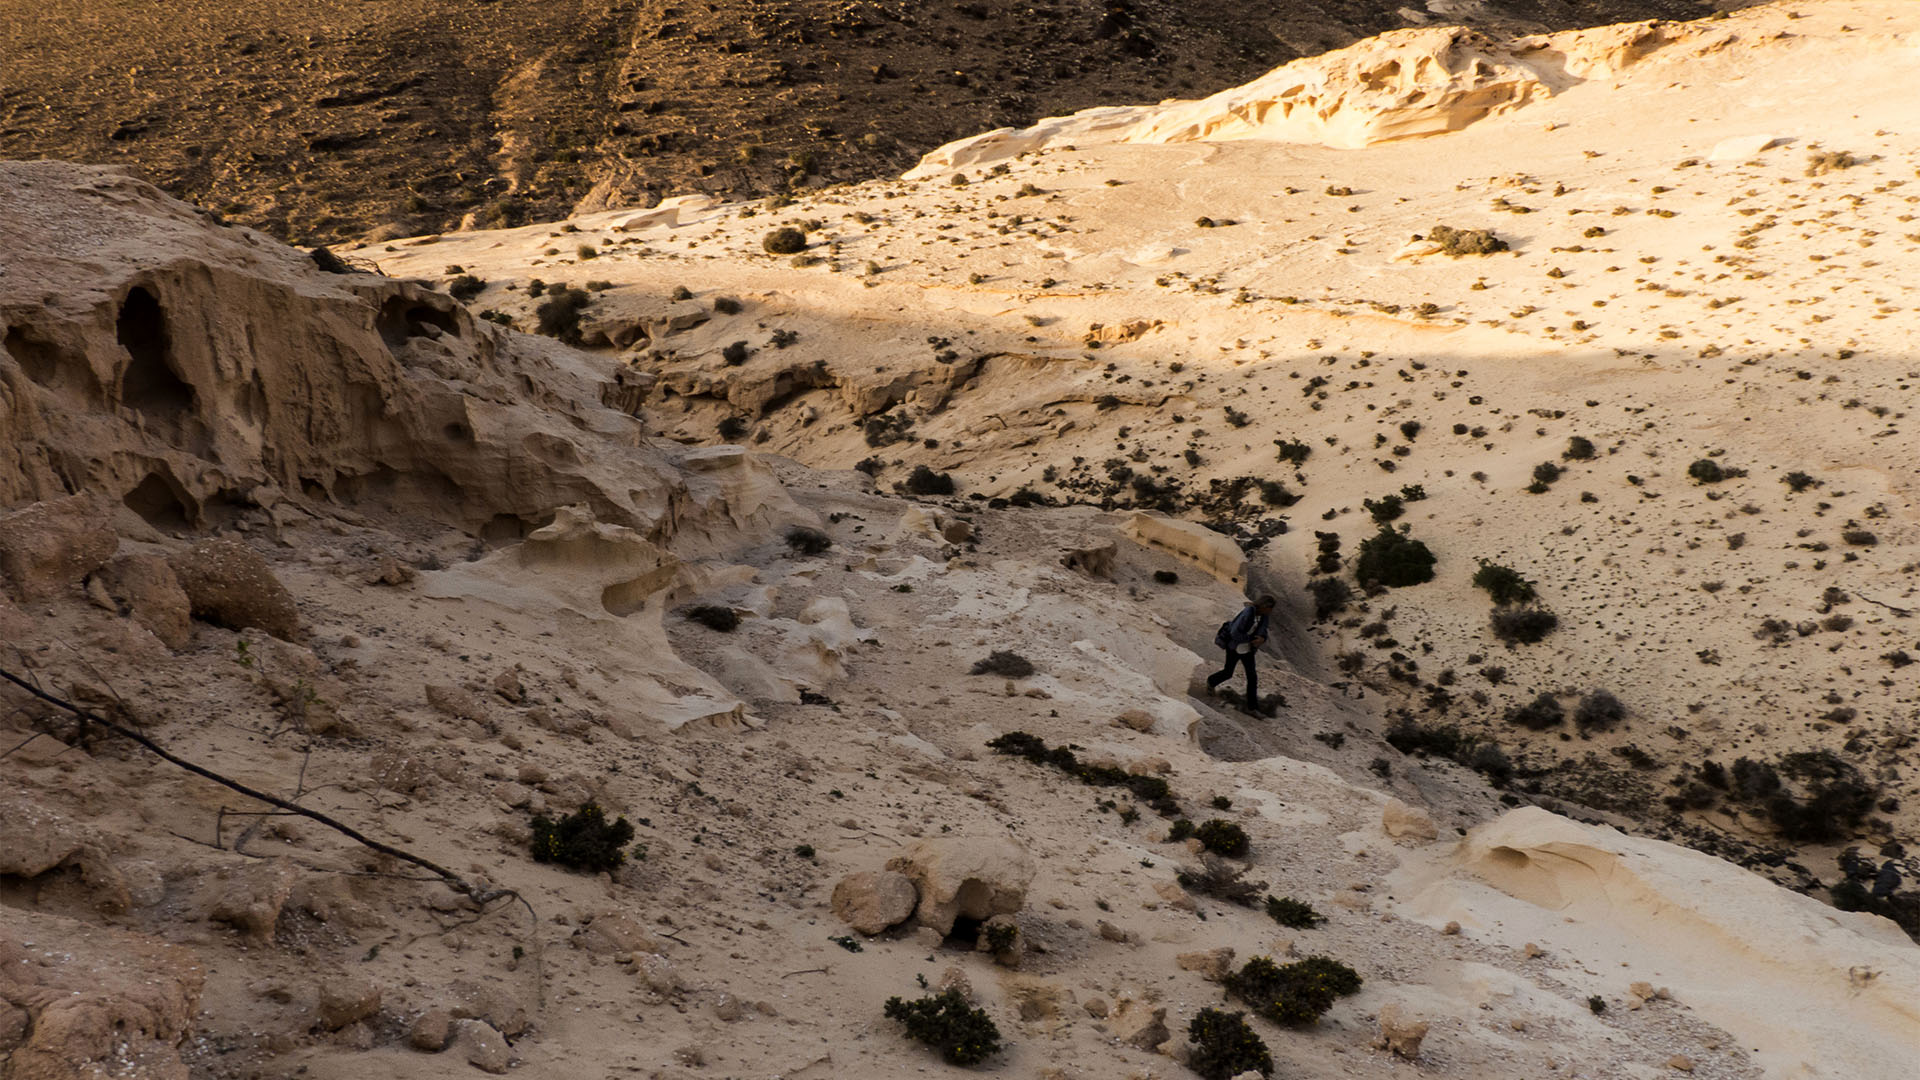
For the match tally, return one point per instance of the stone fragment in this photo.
(614, 933)
(430, 1031)
(1137, 719)
(1113, 933)
(1139, 1024)
(1399, 1033)
(1212, 964)
(1680, 1063)
(873, 901)
(346, 1001)
(480, 1046)
(229, 584)
(1400, 820)
(152, 595)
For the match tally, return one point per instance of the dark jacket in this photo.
(1244, 627)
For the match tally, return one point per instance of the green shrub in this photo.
(961, 1033)
(1706, 471)
(1539, 714)
(1523, 625)
(329, 263)
(1293, 451)
(1221, 880)
(1222, 837)
(1179, 831)
(726, 305)
(583, 840)
(587, 251)
(1002, 662)
(1224, 1046)
(784, 241)
(1151, 790)
(735, 354)
(713, 617)
(1579, 448)
(1458, 242)
(1293, 914)
(1296, 994)
(808, 541)
(1503, 584)
(1393, 559)
(1546, 472)
(1798, 482)
(924, 481)
(1387, 508)
(558, 316)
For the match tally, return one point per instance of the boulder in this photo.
(480, 1046)
(145, 585)
(873, 901)
(1095, 561)
(1139, 1024)
(1137, 719)
(1399, 820)
(1400, 1033)
(46, 548)
(615, 934)
(229, 584)
(977, 877)
(1212, 964)
(430, 1031)
(248, 896)
(346, 1001)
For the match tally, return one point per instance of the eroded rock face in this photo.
(85, 1001)
(151, 592)
(46, 548)
(976, 877)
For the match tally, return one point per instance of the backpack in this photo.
(1223, 638)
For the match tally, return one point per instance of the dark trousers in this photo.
(1240, 659)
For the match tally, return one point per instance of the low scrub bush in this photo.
(1151, 790)
(1002, 662)
(1221, 880)
(1296, 994)
(784, 241)
(1523, 625)
(1458, 242)
(1709, 471)
(1539, 714)
(924, 481)
(558, 316)
(1598, 710)
(1393, 559)
(1579, 448)
(713, 617)
(465, 287)
(1504, 584)
(1330, 597)
(1222, 837)
(583, 840)
(961, 1033)
(806, 541)
(1293, 914)
(1225, 1046)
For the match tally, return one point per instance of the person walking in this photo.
(1242, 636)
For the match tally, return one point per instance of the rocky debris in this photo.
(249, 895)
(1139, 1024)
(614, 933)
(48, 547)
(1212, 964)
(1000, 936)
(456, 703)
(35, 840)
(975, 877)
(345, 1001)
(1399, 1034)
(82, 1001)
(229, 584)
(1210, 551)
(1096, 1006)
(477, 1043)
(1135, 719)
(145, 585)
(1680, 1063)
(1399, 821)
(492, 1003)
(430, 1031)
(1095, 561)
(874, 901)
(1110, 932)
(1640, 993)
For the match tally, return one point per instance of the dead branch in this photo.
(480, 897)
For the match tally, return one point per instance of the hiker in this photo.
(1242, 636)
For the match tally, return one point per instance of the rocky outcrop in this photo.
(977, 878)
(1399, 85)
(1210, 551)
(229, 584)
(874, 901)
(46, 548)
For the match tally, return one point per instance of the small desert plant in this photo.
(1166, 577)
(1222, 880)
(807, 541)
(587, 251)
(1546, 473)
(1539, 714)
(1458, 242)
(465, 287)
(1222, 837)
(961, 1033)
(1504, 584)
(1825, 161)
(1579, 448)
(1330, 597)
(1293, 914)
(1598, 710)
(1225, 1046)
(1296, 994)
(784, 241)
(1385, 509)
(329, 263)
(1859, 537)
(1596, 1004)
(726, 305)
(1151, 790)
(583, 840)
(1524, 625)
(1708, 471)
(735, 354)
(713, 617)
(1002, 662)
(558, 316)
(1798, 482)
(924, 481)
(1293, 451)
(1179, 830)
(1393, 559)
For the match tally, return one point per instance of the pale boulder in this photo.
(1401, 821)
(873, 901)
(1212, 964)
(1139, 1024)
(978, 877)
(1400, 1034)
(481, 1046)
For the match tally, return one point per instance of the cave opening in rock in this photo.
(159, 503)
(152, 386)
